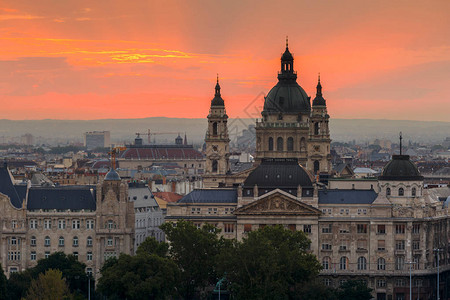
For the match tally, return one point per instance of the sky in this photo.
(115, 59)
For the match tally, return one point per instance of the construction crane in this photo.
(149, 134)
(114, 151)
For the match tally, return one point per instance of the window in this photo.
(61, 224)
(13, 241)
(89, 256)
(381, 245)
(75, 241)
(343, 263)
(388, 191)
(33, 241)
(381, 283)
(13, 224)
(229, 228)
(362, 263)
(400, 282)
(109, 242)
(307, 229)
(316, 166)
(343, 246)
(61, 241)
(400, 245)
(280, 144)
(399, 262)
(290, 144)
(361, 245)
(400, 228)
(47, 241)
(47, 224)
(413, 192)
(75, 224)
(33, 224)
(47, 254)
(89, 224)
(270, 144)
(416, 245)
(326, 263)
(327, 282)
(401, 191)
(89, 242)
(326, 228)
(111, 224)
(361, 228)
(381, 229)
(326, 246)
(75, 254)
(247, 227)
(214, 125)
(33, 255)
(13, 255)
(109, 254)
(381, 264)
(89, 272)
(416, 229)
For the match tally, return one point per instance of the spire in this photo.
(287, 43)
(400, 137)
(185, 139)
(217, 86)
(319, 88)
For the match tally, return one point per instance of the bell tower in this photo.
(217, 142)
(319, 157)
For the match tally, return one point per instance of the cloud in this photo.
(18, 17)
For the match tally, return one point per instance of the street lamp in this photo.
(437, 250)
(410, 263)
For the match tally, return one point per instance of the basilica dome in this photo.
(112, 175)
(400, 168)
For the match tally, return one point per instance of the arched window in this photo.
(316, 128)
(61, 241)
(215, 128)
(47, 241)
(271, 144)
(75, 241)
(413, 192)
(388, 191)
(89, 241)
(290, 144)
(362, 263)
(401, 191)
(303, 145)
(280, 144)
(316, 166)
(343, 263)
(214, 166)
(326, 263)
(381, 264)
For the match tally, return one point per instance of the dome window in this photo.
(401, 192)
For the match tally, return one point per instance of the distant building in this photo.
(97, 139)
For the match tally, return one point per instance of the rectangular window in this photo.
(416, 229)
(362, 244)
(381, 283)
(89, 224)
(416, 245)
(400, 228)
(326, 228)
(361, 228)
(399, 262)
(193, 210)
(61, 224)
(247, 227)
(109, 242)
(33, 255)
(33, 224)
(75, 254)
(47, 254)
(13, 224)
(326, 246)
(229, 228)
(89, 256)
(381, 229)
(307, 229)
(75, 224)
(47, 224)
(400, 245)
(381, 245)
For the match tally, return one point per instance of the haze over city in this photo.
(110, 59)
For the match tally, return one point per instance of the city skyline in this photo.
(95, 60)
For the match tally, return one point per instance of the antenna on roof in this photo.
(400, 137)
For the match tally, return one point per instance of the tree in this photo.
(271, 263)
(49, 286)
(72, 270)
(151, 246)
(354, 290)
(3, 283)
(144, 276)
(195, 251)
(18, 285)
(315, 291)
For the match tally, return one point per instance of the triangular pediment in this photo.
(277, 203)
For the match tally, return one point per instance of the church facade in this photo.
(375, 232)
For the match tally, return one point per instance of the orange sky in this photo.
(135, 59)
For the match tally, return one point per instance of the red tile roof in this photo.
(168, 196)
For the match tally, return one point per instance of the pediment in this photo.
(277, 204)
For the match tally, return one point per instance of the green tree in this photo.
(72, 270)
(48, 286)
(18, 285)
(3, 283)
(354, 290)
(144, 276)
(151, 246)
(196, 252)
(315, 291)
(271, 263)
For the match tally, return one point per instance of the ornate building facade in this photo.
(93, 223)
(371, 230)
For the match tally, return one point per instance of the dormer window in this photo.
(401, 192)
